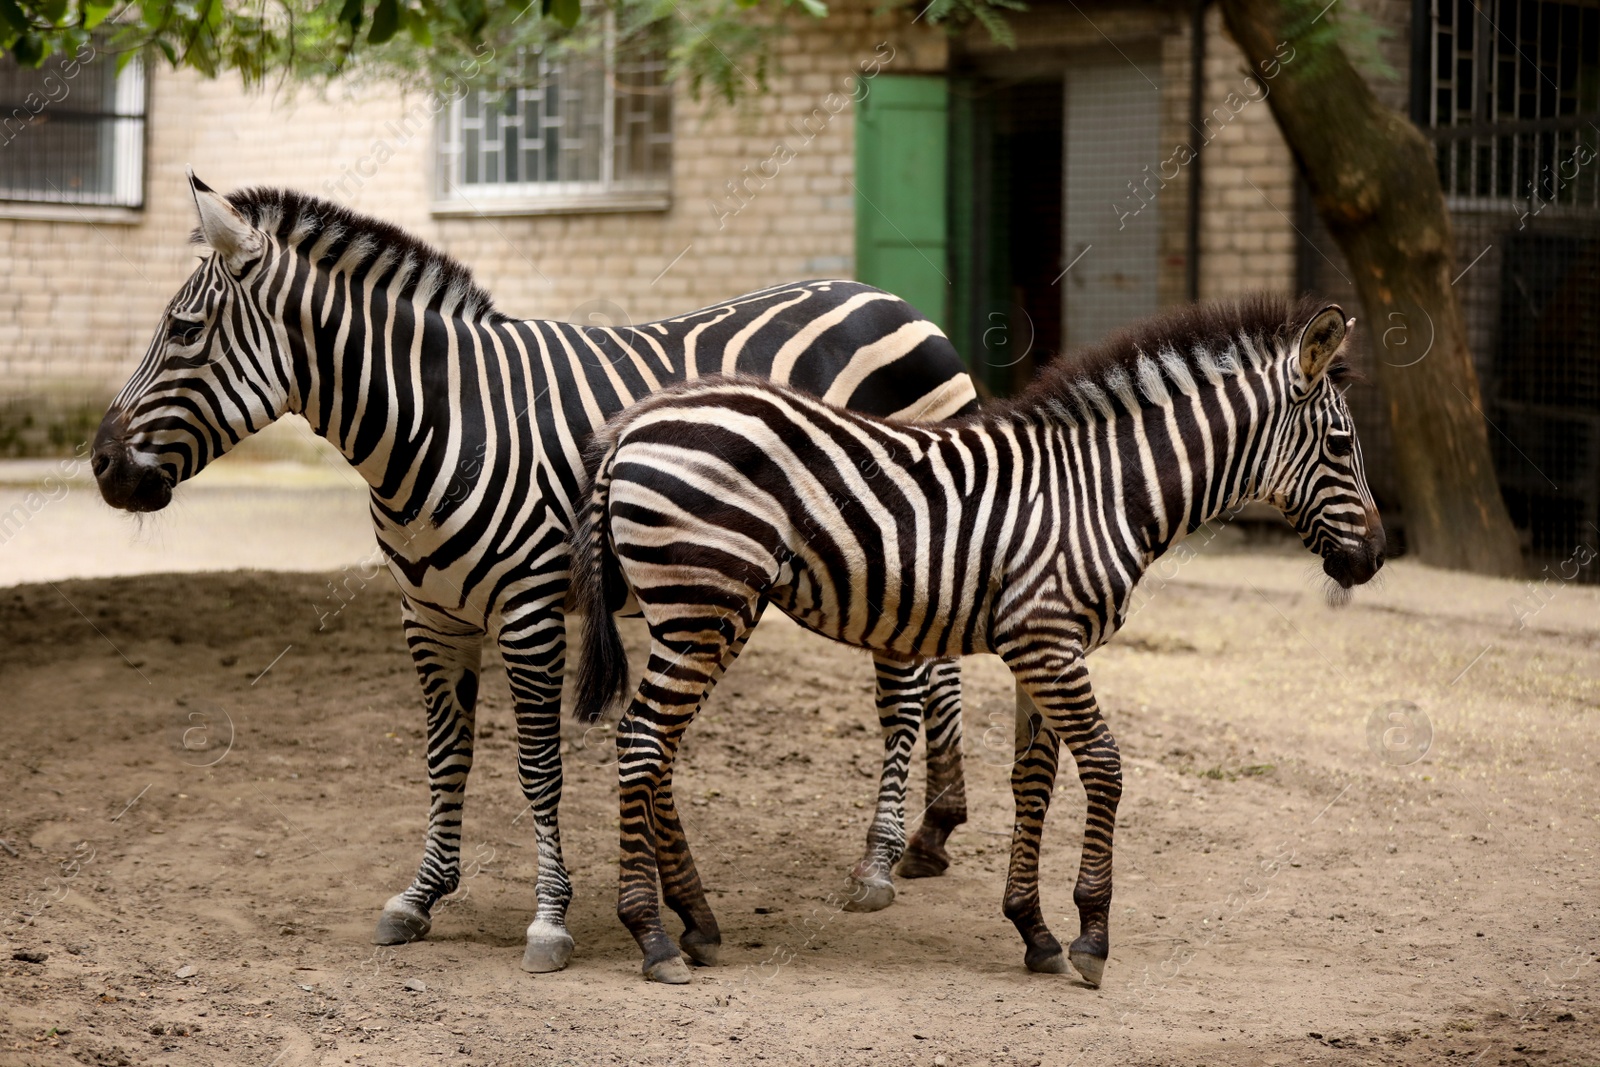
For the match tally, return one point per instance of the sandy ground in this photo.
(284, 501)
(200, 782)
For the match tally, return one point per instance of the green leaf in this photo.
(417, 26)
(13, 16)
(815, 8)
(566, 12)
(350, 15)
(53, 11)
(94, 14)
(999, 29)
(29, 50)
(385, 22)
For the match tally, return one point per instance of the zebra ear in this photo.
(223, 228)
(1321, 341)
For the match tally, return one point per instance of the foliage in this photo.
(1318, 28)
(957, 15)
(724, 47)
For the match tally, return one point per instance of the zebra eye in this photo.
(184, 332)
(1340, 446)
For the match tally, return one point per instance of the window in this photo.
(583, 133)
(1514, 100)
(71, 133)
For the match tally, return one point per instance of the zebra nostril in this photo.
(100, 464)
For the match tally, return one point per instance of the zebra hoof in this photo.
(862, 895)
(1090, 968)
(670, 971)
(1052, 963)
(401, 923)
(699, 950)
(549, 948)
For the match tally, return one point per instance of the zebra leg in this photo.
(680, 879)
(901, 690)
(946, 806)
(533, 645)
(1062, 706)
(1033, 778)
(701, 940)
(447, 668)
(678, 677)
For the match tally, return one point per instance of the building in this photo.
(1121, 159)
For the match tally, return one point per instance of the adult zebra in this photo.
(1020, 532)
(468, 425)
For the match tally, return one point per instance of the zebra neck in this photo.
(1158, 473)
(1210, 453)
(400, 390)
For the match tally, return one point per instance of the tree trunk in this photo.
(1373, 180)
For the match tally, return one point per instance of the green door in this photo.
(902, 157)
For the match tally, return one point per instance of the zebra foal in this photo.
(1021, 531)
(466, 423)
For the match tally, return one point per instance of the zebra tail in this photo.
(602, 659)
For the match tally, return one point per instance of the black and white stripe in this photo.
(468, 425)
(1020, 532)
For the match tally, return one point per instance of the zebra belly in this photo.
(800, 596)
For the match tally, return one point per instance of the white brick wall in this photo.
(84, 298)
(1247, 241)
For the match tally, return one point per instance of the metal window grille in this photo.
(72, 132)
(1515, 100)
(578, 129)
(1509, 92)
(1513, 106)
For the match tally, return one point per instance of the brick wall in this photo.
(1248, 197)
(84, 297)
(1247, 241)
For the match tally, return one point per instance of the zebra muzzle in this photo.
(1356, 564)
(128, 480)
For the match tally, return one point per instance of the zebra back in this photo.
(928, 541)
(467, 423)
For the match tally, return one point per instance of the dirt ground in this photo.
(198, 782)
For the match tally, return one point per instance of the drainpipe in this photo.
(1197, 81)
(1422, 63)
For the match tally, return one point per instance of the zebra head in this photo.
(210, 378)
(1319, 482)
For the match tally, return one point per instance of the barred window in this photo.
(1515, 100)
(580, 133)
(72, 132)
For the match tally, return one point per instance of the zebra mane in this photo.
(1167, 354)
(422, 272)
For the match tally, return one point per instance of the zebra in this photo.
(467, 425)
(1020, 531)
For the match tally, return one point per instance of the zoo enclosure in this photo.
(1509, 93)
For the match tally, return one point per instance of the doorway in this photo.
(1054, 234)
